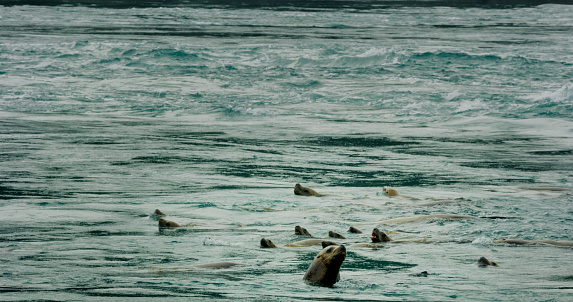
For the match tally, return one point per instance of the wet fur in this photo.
(325, 268)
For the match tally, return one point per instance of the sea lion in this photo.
(156, 215)
(298, 230)
(418, 218)
(534, 242)
(354, 230)
(217, 265)
(335, 235)
(435, 216)
(422, 274)
(162, 223)
(484, 262)
(304, 191)
(214, 265)
(379, 236)
(267, 243)
(392, 192)
(550, 189)
(388, 191)
(325, 268)
(430, 204)
(306, 242)
(328, 243)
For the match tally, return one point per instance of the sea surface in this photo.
(212, 111)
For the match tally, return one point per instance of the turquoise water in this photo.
(212, 112)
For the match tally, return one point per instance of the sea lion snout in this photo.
(337, 252)
(342, 250)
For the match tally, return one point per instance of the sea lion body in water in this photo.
(435, 216)
(162, 223)
(418, 218)
(267, 243)
(214, 265)
(306, 242)
(437, 202)
(325, 268)
(390, 192)
(535, 242)
(484, 262)
(217, 265)
(550, 189)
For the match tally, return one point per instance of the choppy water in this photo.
(212, 112)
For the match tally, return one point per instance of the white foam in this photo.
(482, 241)
(215, 242)
(563, 94)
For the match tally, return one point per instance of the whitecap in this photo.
(215, 242)
(563, 94)
(451, 95)
(483, 241)
(467, 105)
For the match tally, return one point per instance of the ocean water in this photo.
(212, 111)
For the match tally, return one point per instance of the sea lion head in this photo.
(325, 268)
(390, 191)
(354, 230)
(157, 212)
(484, 262)
(379, 236)
(304, 191)
(335, 235)
(267, 243)
(162, 223)
(298, 230)
(328, 243)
